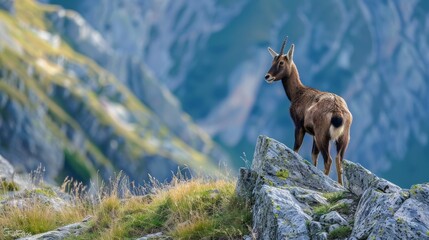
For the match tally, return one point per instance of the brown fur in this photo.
(312, 112)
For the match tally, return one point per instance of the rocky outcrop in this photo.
(292, 199)
(64, 232)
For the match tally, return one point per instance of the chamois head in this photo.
(282, 64)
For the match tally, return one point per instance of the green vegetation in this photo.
(334, 197)
(192, 209)
(36, 217)
(76, 165)
(184, 209)
(282, 174)
(332, 205)
(321, 209)
(8, 186)
(340, 233)
(341, 208)
(46, 191)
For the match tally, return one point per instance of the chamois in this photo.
(323, 115)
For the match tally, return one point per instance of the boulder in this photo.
(333, 218)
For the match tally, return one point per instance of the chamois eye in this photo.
(281, 63)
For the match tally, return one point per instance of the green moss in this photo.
(8, 186)
(427, 233)
(282, 174)
(340, 233)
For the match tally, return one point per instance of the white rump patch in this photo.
(335, 133)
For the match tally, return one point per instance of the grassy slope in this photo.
(30, 16)
(185, 209)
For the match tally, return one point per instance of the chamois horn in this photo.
(283, 46)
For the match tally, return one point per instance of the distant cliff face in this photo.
(61, 109)
(213, 56)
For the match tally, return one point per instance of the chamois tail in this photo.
(336, 121)
(337, 127)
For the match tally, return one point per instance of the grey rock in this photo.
(333, 227)
(246, 183)
(247, 237)
(281, 166)
(321, 236)
(357, 179)
(314, 228)
(158, 235)
(420, 192)
(26, 199)
(308, 197)
(6, 169)
(345, 201)
(333, 218)
(277, 215)
(67, 231)
(373, 209)
(410, 221)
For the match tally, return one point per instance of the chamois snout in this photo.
(269, 78)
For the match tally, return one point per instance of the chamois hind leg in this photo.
(314, 152)
(299, 137)
(323, 145)
(342, 143)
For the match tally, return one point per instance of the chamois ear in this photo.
(290, 52)
(272, 52)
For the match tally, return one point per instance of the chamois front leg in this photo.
(299, 137)
(315, 152)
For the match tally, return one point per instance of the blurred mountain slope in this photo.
(212, 55)
(63, 110)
